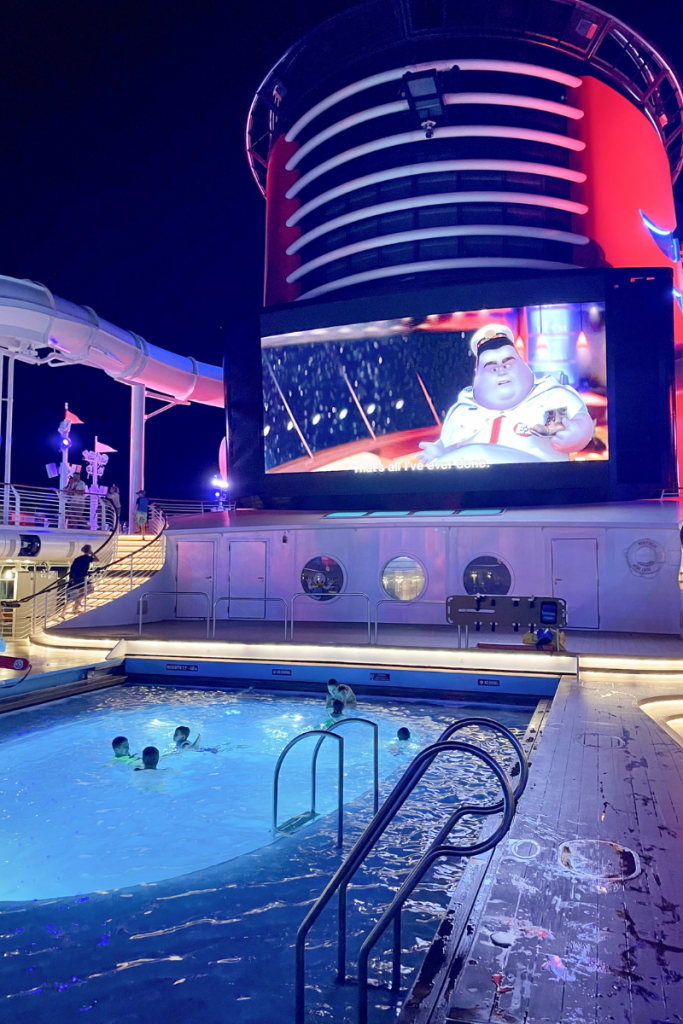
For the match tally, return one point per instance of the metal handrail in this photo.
(323, 733)
(113, 533)
(340, 880)
(175, 593)
(489, 723)
(346, 593)
(375, 759)
(439, 848)
(232, 597)
(401, 604)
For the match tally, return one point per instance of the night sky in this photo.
(126, 189)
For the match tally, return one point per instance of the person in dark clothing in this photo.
(141, 512)
(77, 576)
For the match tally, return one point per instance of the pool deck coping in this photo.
(582, 948)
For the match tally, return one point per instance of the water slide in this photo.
(40, 328)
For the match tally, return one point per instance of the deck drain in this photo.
(599, 739)
(524, 849)
(594, 858)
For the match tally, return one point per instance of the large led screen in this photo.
(444, 391)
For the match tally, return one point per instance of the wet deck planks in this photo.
(603, 771)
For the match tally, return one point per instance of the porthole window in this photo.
(403, 578)
(487, 575)
(322, 577)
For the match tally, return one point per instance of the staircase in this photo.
(125, 562)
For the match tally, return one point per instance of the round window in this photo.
(487, 575)
(403, 578)
(322, 578)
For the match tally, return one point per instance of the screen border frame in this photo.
(512, 484)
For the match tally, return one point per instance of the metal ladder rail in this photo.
(375, 759)
(489, 723)
(339, 882)
(323, 733)
(438, 848)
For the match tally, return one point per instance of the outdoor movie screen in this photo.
(456, 390)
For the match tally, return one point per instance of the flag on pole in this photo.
(99, 447)
(71, 417)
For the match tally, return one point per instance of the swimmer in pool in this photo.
(336, 713)
(342, 692)
(401, 744)
(122, 753)
(150, 760)
(181, 738)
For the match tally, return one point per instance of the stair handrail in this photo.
(375, 758)
(95, 580)
(340, 880)
(98, 573)
(324, 734)
(490, 723)
(437, 849)
(56, 583)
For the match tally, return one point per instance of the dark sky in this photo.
(125, 187)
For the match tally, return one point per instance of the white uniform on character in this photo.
(469, 423)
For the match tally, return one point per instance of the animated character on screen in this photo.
(508, 415)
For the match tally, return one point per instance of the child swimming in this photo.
(336, 713)
(181, 738)
(150, 760)
(402, 744)
(122, 752)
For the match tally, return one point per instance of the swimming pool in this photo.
(118, 954)
(73, 820)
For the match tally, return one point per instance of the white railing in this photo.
(47, 508)
(179, 507)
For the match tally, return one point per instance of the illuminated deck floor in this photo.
(552, 942)
(392, 635)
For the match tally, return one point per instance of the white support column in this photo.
(136, 478)
(8, 419)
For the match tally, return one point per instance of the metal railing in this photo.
(438, 849)
(179, 507)
(396, 799)
(314, 597)
(375, 756)
(112, 578)
(246, 618)
(324, 734)
(174, 593)
(48, 508)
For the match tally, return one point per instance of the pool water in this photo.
(72, 820)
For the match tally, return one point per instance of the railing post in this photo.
(131, 571)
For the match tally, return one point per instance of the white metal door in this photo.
(247, 579)
(575, 578)
(195, 573)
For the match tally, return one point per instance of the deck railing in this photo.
(48, 508)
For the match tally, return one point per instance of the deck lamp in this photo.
(425, 95)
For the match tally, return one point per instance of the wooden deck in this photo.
(389, 635)
(555, 940)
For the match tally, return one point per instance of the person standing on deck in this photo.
(141, 512)
(114, 496)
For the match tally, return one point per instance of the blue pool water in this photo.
(74, 821)
(200, 944)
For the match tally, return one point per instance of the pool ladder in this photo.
(303, 819)
(439, 848)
